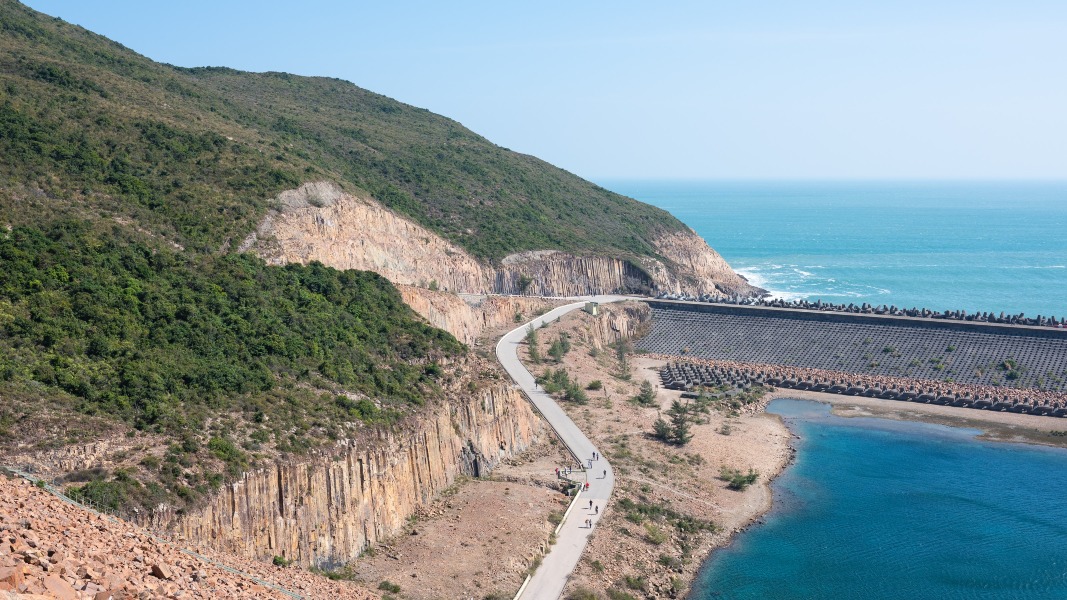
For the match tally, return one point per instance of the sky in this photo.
(820, 89)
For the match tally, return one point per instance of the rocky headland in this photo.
(321, 222)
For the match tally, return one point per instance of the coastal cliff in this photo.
(326, 510)
(320, 222)
(468, 317)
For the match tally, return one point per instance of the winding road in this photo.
(550, 578)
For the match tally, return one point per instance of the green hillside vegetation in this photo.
(125, 186)
(222, 355)
(194, 155)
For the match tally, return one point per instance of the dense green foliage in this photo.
(194, 154)
(559, 384)
(160, 339)
(736, 480)
(678, 430)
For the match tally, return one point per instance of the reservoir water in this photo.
(885, 509)
(994, 246)
(875, 508)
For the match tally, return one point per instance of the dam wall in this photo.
(1017, 357)
(860, 318)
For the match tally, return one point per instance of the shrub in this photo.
(654, 534)
(389, 586)
(671, 562)
(647, 395)
(281, 561)
(736, 479)
(594, 385)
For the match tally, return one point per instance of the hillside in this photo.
(197, 309)
(194, 155)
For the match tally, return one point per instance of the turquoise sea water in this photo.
(975, 246)
(875, 508)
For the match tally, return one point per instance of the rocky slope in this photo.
(50, 548)
(320, 222)
(468, 317)
(327, 510)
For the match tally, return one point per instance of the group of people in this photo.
(564, 472)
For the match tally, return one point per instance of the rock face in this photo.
(319, 222)
(327, 510)
(618, 322)
(699, 264)
(466, 318)
(51, 548)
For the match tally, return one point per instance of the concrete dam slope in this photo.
(953, 352)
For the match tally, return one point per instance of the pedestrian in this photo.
(605, 474)
(596, 510)
(590, 505)
(557, 472)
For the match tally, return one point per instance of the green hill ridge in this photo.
(92, 129)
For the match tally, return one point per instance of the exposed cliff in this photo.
(468, 317)
(319, 222)
(326, 510)
(618, 322)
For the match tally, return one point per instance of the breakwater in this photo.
(869, 309)
(692, 376)
(952, 362)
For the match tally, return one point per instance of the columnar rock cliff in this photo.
(468, 317)
(326, 510)
(320, 222)
(618, 322)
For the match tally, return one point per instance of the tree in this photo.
(556, 351)
(680, 433)
(661, 430)
(621, 350)
(531, 344)
(647, 395)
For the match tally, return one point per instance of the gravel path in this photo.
(549, 580)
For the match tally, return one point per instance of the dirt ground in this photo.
(646, 544)
(478, 538)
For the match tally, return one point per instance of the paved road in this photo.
(550, 578)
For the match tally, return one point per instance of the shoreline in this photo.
(1000, 427)
(996, 426)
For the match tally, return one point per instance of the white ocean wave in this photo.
(1035, 267)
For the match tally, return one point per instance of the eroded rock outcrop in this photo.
(319, 222)
(618, 322)
(326, 510)
(468, 317)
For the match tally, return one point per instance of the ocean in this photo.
(986, 246)
(875, 508)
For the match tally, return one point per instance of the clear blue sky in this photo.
(701, 89)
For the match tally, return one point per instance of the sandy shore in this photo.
(996, 426)
(643, 545)
(452, 551)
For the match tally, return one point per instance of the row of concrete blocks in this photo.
(673, 379)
